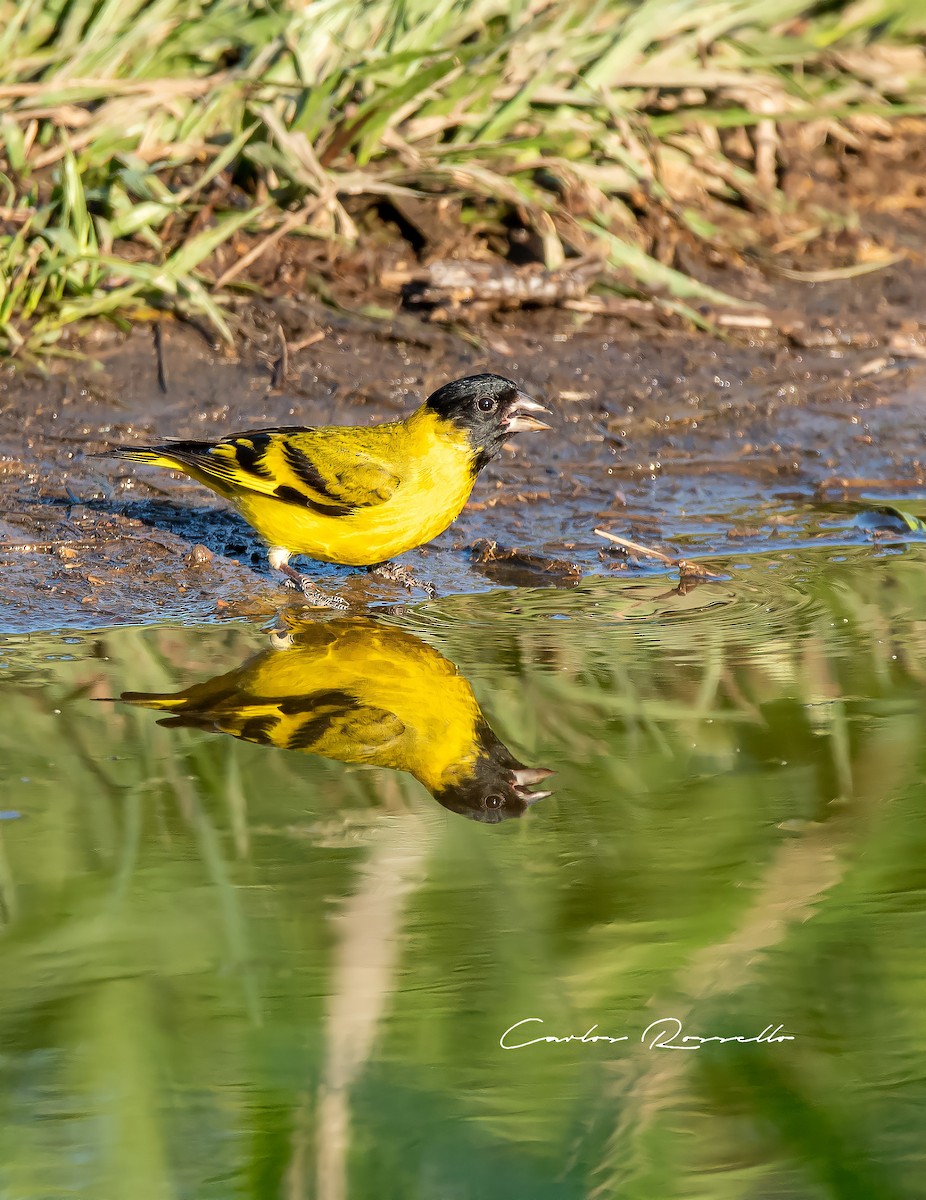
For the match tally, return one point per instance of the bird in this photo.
(357, 495)
(359, 690)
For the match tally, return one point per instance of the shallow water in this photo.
(234, 969)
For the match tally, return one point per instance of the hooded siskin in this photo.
(359, 691)
(358, 495)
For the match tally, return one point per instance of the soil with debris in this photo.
(776, 432)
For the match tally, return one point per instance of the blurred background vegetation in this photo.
(231, 970)
(152, 150)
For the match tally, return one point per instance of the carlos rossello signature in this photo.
(666, 1033)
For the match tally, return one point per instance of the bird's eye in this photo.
(494, 802)
(486, 403)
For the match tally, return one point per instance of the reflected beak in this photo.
(519, 419)
(525, 777)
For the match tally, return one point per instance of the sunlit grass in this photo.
(136, 138)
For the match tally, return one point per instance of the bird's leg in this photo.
(310, 589)
(279, 560)
(398, 574)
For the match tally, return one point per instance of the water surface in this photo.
(231, 969)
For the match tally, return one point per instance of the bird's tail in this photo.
(157, 456)
(218, 471)
(173, 704)
(162, 701)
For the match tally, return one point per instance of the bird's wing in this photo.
(358, 732)
(331, 722)
(332, 470)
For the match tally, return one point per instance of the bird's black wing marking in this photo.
(336, 474)
(369, 729)
(249, 451)
(323, 709)
(304, 469)
(257, 729)
(313, 701)
(294, 496)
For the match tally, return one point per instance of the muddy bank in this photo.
(711, 445)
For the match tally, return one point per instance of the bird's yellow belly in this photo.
(389, 676)
(412, 516)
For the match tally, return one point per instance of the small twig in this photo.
(29, 547)
(159, 357)
(744, 321)
(610, 307)
(304, 343)
(636, 548)
(281, 364)
(766, 139)
(686, 568)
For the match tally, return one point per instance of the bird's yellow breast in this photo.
(432, 459)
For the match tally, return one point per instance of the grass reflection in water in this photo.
(228, 970)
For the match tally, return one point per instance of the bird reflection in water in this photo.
(359, 691)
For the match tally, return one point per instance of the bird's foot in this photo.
(310, 589)
(397, 574)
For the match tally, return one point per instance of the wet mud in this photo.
(706, 447)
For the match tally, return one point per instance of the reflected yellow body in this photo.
(359, 691)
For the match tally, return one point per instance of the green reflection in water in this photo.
(232, 970)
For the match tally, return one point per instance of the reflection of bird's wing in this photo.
(337, 725)
(332, 722)
(332, 470)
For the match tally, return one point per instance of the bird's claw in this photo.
(312, 592)
(319, 599)
(398, 574)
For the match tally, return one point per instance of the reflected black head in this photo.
(497, 787)
(489, 408)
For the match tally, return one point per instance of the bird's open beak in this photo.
(525, 777)
(519, 419)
